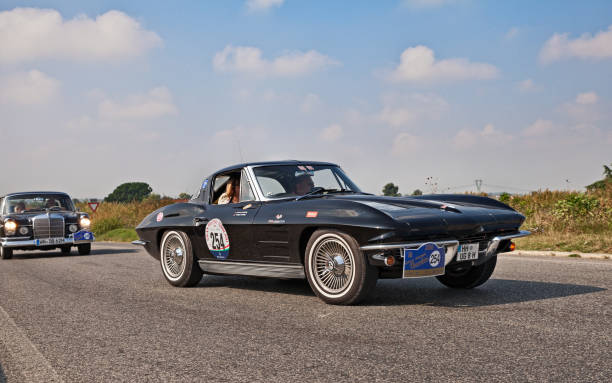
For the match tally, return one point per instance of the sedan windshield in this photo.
(297, 180)
(24, 203)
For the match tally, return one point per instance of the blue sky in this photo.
(515, 93)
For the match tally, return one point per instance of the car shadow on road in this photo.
(494, 292)
(419, 292)
(24, 255)
(283, 286)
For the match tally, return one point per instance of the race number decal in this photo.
(217, 239)
(425, 261)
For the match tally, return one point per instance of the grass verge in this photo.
(118, 235)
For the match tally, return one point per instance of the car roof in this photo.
(273, 163)
(34, 192)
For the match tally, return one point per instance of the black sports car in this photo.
(42, 221)
(294, 219)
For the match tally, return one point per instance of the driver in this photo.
(51, 202)
(20, 207)
(231, 194)
(303, 184)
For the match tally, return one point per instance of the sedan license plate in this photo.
(50, 241)
(467, 252)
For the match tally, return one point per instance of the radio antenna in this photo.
(240, 150)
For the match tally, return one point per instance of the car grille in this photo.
(48, 226)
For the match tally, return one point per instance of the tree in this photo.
(391, 190)
(184, 196)
(417, 192)
(602, 184)
(129, 191)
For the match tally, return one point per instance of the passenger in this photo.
(231, 194)
(303, 184)
(20, 207)
(51, 202)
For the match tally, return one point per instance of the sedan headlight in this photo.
(10, 227)
(73, 228)
(85, 222)
(23, 230)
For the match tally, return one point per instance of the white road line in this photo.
(22, 355)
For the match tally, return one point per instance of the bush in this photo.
(576, 206)
(504, 197)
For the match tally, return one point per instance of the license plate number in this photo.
(50, 241)
(467, 252)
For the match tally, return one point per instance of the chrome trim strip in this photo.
(140, 242)
(410, 245)
(253, 269)
(494, 243)
(35, 242)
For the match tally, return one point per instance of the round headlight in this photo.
(23, 230)
(10, 227)
(73, 228)
(85, 222)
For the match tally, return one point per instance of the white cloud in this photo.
(32, 33)
(405, 143)
(538, 128)
(512, 33)
(418, 64)
(332, 133)
(527, 85)
(560, 46)
(249, 60)
(154, 104)
(587, 98)
(262, 5)
(310, 103)
(468, 138)
(28, 88)
(402, 111)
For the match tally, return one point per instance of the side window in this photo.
(270, 186)
(246, 193)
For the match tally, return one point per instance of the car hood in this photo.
(456, 215)
(21, 217)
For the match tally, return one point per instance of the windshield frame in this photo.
(21, 196)
(259, 192)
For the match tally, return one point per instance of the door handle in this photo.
(199, 221)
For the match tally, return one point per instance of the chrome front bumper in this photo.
(450, 245)
(6, 242)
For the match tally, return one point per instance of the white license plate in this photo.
(50, 241)
(467, 252)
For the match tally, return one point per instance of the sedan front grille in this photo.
(48, 226)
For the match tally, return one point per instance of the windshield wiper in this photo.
(316, 190)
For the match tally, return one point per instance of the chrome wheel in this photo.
(333, 264)
(173, 256)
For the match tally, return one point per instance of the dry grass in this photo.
(567, 221)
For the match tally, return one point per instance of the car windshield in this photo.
(282, 181)
(23, 203)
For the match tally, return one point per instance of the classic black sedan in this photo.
(295, 219)
(42, 221)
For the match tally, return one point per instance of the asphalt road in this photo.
(111, 316)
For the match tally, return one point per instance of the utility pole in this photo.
(478, 184)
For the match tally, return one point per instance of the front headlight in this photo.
(73, 228)
(85, 222)
(10, 227)
(23, 230)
